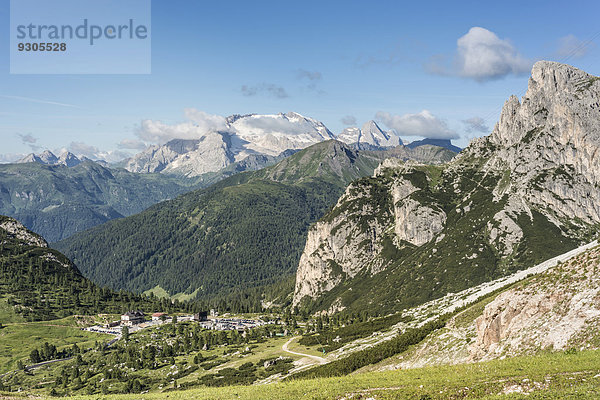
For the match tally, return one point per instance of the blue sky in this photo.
(335, 61)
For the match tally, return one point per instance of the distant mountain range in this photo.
(254, 135)
(59, 201)
(59, 198)
(370, 134)
(245, 231)
(67, 159)
(243, 136)
(244, 139)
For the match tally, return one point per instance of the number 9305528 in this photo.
(42, 46)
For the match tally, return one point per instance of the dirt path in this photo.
(318, 359)
(306, 362)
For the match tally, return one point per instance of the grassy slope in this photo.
(18, 339)
(558, 376)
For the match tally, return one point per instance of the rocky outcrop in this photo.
(335, 250)
(557, 310)
(528, 191)
(15, 229)
(348, 241)
(184, 157)
(416, 223)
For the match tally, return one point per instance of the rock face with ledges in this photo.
(550, 141)
(528, 191)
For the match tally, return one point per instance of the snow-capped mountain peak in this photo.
(245, 135)
(370, 134)
(48, 158)
(69, 159)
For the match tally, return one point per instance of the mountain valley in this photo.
(366, 268)
(254, 222)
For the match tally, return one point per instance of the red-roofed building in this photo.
(157, 316)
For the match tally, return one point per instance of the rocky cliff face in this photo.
(549, 142)
(523, 194)
(557, 310)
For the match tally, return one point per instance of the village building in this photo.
(131, 318)
(112, 324)
(158, 316)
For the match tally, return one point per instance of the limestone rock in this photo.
(556, 310)
(16, 229)
(534, 179)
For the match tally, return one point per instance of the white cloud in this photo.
(11, 157)
(312, 78)
(133, 144)
(275, 124)
(92, 152)
(198, 125)
(476, 125)
(209, 122)
(268, 89)
(310, 75)
(83, 149)
(27, 139)
(111, 155)
(348, 120)
(481, 55)
(571, 47)
(422, 124)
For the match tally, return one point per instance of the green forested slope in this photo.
(40, 283)
(245, 231)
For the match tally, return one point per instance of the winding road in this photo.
(320, 360)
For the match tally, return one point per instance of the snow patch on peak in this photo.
(244, 135)
(370, 134)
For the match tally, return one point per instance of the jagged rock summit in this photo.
(549, 142)
(370, 134)
(528, 191)
(67, 159)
